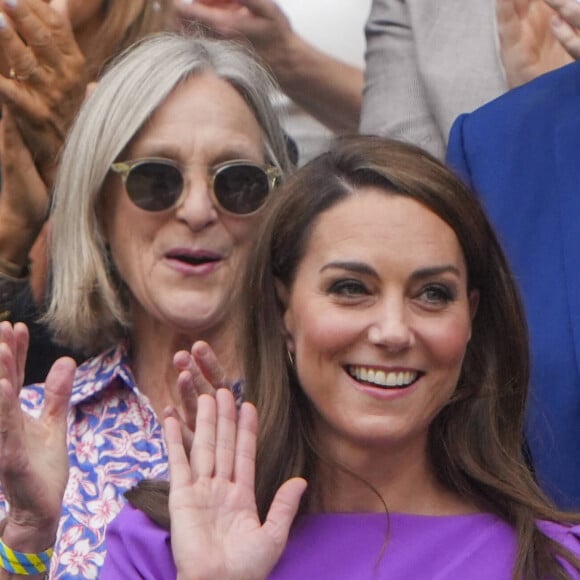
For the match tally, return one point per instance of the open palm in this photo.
(215, 528)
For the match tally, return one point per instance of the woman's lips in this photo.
(193, 262)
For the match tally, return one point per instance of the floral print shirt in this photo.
(115, 440)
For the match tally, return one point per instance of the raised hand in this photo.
(33, 451)
(215, 529)
(310, 77)
(200, 372)
(528, 45)
(45, 81)
(566, 25)
(261, 22)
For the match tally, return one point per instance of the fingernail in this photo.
(186, 2)
(557, 21)
(11, 3)
(3, 21)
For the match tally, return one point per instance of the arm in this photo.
(566, 25)
(528, 45)
(395, 104)
(24, 203)
(33, 452)
(325, 87)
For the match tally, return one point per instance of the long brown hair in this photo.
(475, 443)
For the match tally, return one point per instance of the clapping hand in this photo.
(200, 372)
(33, 451)
(528, 45)
(566, 25)
(45, 78)
(261, 22)
(215, 528)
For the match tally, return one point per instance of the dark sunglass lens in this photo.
(241, 189)
(154, 186)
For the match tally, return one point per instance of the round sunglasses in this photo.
(237, 187)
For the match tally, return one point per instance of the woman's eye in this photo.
(348, 288)
(437, 295)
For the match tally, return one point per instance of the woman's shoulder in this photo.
(137, 547)
(568, 535)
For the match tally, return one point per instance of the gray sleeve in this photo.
(395, 101)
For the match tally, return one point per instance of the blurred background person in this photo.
(50, 51)
(156, 202)
(428, 62)
(315, 50)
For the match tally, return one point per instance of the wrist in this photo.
(282, 55)
(291, 63)
(15, 563)
(16, 240)
(24, 538)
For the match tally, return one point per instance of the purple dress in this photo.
(351, 547)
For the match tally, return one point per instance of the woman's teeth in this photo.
(395, 379)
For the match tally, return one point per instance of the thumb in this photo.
(58, 388)
(283, 510)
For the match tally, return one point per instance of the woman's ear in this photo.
(473, 302)
(287, 314)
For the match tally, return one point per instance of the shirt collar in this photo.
(98, 373)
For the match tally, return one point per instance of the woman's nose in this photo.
(391, 328)
(196, 206)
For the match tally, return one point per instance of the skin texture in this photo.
(364, 296)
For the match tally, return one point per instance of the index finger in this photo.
(209, 365)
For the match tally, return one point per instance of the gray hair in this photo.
(87, 310)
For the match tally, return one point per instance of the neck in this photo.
(153, 346)
(399, 477)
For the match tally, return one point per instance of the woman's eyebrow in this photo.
(358, 267)
(365, 269)
(436, 271)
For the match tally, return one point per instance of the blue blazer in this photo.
(521, 154)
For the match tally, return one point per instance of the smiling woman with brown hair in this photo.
(385, 351)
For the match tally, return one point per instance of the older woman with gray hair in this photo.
(155, 206)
